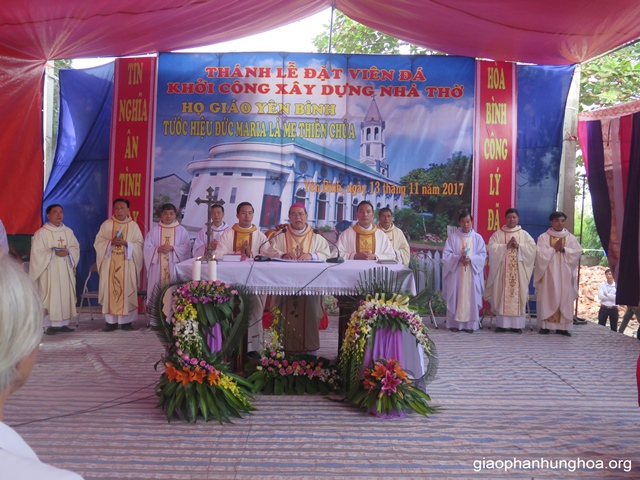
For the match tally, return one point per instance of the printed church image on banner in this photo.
(274, 173)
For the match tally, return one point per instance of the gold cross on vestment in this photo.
(61, 243)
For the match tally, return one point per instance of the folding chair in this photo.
(86, 294)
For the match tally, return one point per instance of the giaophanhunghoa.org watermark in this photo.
(569, 465)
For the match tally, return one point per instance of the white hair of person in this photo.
(21, 316)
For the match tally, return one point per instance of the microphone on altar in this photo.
(337, 259)
(264, 258)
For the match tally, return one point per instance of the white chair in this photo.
(86, 294)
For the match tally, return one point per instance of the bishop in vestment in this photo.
(55, 253)
(165, 245)
(302, 314)
(555, 276)
(512, 253)
(463, 260)
(119, 257)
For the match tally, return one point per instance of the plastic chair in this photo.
(86, 294)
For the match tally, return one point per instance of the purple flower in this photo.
(179, 351)
(185, 357)
(193, 361)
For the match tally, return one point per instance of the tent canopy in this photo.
(545, 31)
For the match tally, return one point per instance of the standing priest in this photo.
(119, 257)
(55, 252)
(512, 252)
(165, 245)
(555, 276)
(218, 227)
(302, 314)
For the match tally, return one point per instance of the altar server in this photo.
(396, 236)
(364, 241)
(217, 229)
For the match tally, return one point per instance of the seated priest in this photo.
(302, 314)
(396, 236)
(246, 239)
(364, 241)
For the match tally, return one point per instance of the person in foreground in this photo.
(55, 253)
(119, 257)
(396, 236)
(20, 335)
(364, 241)
(302, 313)
(512, 253)
(463, 276)
(555, 276)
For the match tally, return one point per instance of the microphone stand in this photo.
(337, 259)
(264, 258)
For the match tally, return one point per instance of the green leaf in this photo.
(279, 386)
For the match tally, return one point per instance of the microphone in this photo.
(337, 259)
(264, 258)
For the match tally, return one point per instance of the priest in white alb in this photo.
(119, 258)
(218, 227)
(555, 277)
(512, 253)
(55, 253)
(165, 245)
(463, 260)
(302, 313)
(365, 241)
(396, 236)
(246, 239)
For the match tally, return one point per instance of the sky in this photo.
(278, 40)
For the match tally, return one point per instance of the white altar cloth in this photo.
(300, 278)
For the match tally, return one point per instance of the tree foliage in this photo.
(611, 79)
(350, 36)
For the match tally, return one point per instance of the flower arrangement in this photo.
(330, 305)
(287, 373)
(196, 381)
(386, 389)
(375, 313)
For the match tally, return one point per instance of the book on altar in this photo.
(231, 257)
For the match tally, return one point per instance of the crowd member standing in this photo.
(555, 276)
(463, 258)
(119, 257)
(607, 296)
(55, 252)
(395, 235)
(512, 253)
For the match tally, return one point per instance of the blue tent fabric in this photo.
(79, 177)
(542, 97)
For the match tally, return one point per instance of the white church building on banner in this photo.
(274, 173)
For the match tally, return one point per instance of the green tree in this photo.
(350, 36)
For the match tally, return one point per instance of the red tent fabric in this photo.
(31, 33)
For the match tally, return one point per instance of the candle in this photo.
(195, 270)
(213, 270)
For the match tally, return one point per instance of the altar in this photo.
(300, 278)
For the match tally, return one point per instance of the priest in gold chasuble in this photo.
(302, 314)
(119, 258)
(364, 241)
(512, 253)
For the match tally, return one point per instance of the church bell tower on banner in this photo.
(372, 146)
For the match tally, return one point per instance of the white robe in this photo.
(463, 286)
(201, 240)
(55, 276)
(174, 235)
(260, 243)
(507, 287)
(555, 279)
(20, 462)
(399, 243)
(302, 313)
(4, 243)
(347, 245)
(133, 266)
